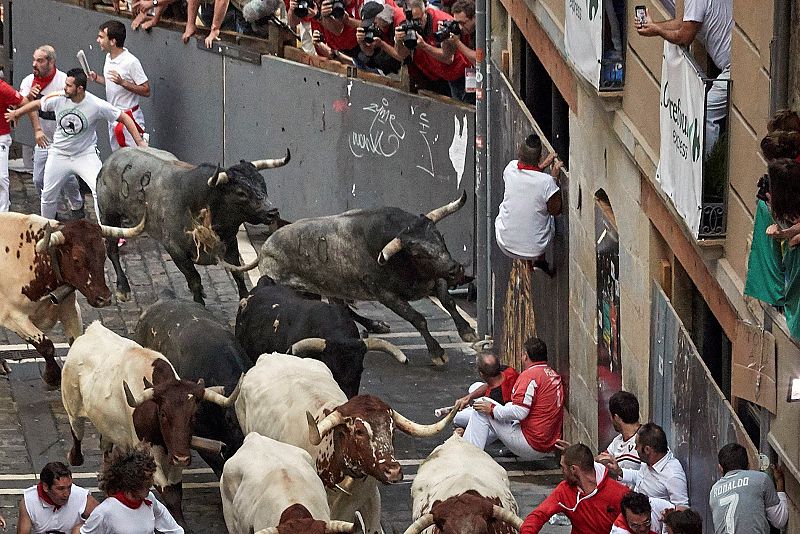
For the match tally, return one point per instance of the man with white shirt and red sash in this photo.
(124, 79)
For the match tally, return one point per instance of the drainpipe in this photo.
(779, 54)
(482, 266)
(487, 93)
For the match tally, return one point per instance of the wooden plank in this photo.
(666, 222)
(545, 50)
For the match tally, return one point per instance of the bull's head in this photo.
(424, 245)
(173, 403)
(363, 436)
(296, 519)
(345, 357)
(243, 192)
(468, 513)
(78, 256)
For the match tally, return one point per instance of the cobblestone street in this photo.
(34, 427)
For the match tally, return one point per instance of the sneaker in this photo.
(543, 266)
(121, 241)
(78, 214)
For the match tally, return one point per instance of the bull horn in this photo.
(384, 346)
(448, 209)
(261, 164)
(206, 445)
(239, 268)
(420, 524)
(421, 431)
(116, 232)
(50, 239)
(507, 516)
(221, 400)
(270, 530)
(391, 248)
(219, 177)
(309, 344)
(317, 430)
(132, 400)
(338, 526)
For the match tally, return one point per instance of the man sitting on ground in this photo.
(55, 504)
(498, 383)
(529, 425)
(640, 515)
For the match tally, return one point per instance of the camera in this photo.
(448, 27)
(302, 9)
(371, 33)
(763, 188)
(411, 27)
(337, 9)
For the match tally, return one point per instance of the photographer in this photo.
(417, 37)
(376, 38)
(464, 13)
(337, 23)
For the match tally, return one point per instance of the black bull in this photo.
(193, 211)
(384, 254)
(199, 346)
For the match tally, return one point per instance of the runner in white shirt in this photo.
(55, 504)
(660, 475)
(524, 226)
(130, 507)
(124, 79)
(46, 79)
(624, 409)
(74, 146)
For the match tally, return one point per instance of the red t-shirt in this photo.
(539, 389)
(502, 393)
(345, 41)
(593, 513)
(8, 97)
(431, 67)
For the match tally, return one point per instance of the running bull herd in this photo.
(273, 408)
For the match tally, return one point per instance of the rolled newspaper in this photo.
(82, 60)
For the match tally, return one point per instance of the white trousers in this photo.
(5, 191)
(716, 108)
(483, 429)
(117, 127)
(71, 188)
(58, 170)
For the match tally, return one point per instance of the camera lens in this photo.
(337, 10)
(301, 11)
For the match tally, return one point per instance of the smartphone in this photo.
(640, 15)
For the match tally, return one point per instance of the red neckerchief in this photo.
(45, 497)
(131, 503)
(527, 167)
(44, 82)
(797, 158)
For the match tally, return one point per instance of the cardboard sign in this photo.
(583, 36)
(682, 121)
(753, 373)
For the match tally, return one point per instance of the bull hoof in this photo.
(439, 361)
(75, 458)
(469, 336)
(378, 327)
(52, 376)
(123, 296)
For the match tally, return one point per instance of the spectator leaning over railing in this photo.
(436, 62)
(463, 12)
(376, 38)
(711, 22)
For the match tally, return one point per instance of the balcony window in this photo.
(693, 169)
(595, 41)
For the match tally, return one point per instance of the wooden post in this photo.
(520, 319)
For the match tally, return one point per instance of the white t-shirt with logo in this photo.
(127, 66)
(113, 517)
(524, 227)
(75, 133)
(625, 453)
(44, 517)
(715, 34)
(56, 85)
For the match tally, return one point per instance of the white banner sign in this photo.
(583, 34)
(682, 120)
